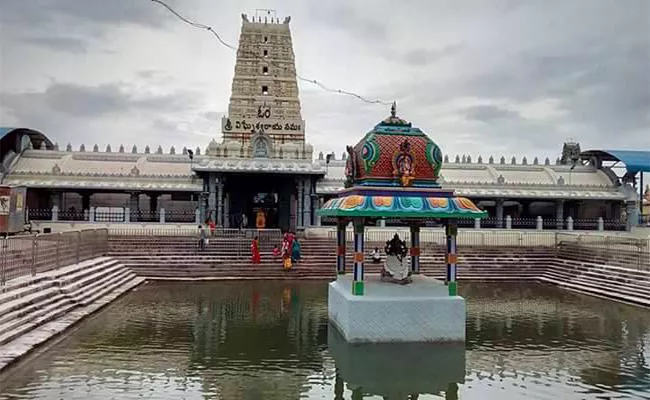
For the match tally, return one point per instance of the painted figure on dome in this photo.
(396, 267)
(255, 251)
(403, 163)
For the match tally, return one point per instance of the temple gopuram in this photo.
(264, 168)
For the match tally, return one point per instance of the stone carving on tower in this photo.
(570, 152)
(264, 99)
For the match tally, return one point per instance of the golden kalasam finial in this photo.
(393, 109)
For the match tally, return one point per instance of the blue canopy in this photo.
(634, 160)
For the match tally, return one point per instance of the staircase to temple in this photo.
(627, 284)
(179, 257)
(33, 309)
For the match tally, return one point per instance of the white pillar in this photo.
(162, 215)
(632, 212)
(382, 223)
(226, 210)
(127, 214)
(319, 202)
(508, 222)
(569, 223)
(197, 218)
(91, 214)
(299, 198)
(499, 203)
(55, 212)
(477, 223)
(219, 218)
(212, 198)
(306, 203)
(134, 205)
(540, 223)
(559, 213)
(601, 224)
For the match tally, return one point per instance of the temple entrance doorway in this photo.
(265, 200)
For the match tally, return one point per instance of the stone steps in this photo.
(54, 299)
(623, 284)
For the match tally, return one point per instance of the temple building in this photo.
(264, 168)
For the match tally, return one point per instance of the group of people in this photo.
(290, 251)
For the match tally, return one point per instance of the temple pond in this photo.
(268, 340)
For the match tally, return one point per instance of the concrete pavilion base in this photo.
(395, 370)
(422, 311)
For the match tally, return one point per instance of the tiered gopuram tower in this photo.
(264, 119)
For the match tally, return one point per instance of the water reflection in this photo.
(267, 340)
(399, 370)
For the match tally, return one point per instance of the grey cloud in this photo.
(96, 101)
(45, 13)
(488, 113)
(61, 43)
(46, 20)
(346, 17)
(422, 57)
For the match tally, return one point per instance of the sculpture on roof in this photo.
(570, 153)
(351, 167)
(404, 164)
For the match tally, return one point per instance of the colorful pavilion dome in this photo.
(394, 153)
(393, 173)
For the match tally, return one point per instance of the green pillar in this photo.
(359, 230)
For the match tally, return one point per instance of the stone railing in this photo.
(115, 215)
(31, 254)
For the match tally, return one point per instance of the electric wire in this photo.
(265, 60)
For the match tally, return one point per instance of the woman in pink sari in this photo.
(287, 246)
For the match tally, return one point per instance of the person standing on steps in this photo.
(255, 250)
(287, 247)
(213, 227)
(295, 250)
(203, 237)
(244, 221)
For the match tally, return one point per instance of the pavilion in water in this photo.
(392, 173)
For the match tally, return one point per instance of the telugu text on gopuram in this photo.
(268, 126)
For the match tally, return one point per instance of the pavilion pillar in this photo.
(153, 202)
(85, 201)
(359, 256)
(299, 198)
(500, 213)
(134, 206)
(415, 249)
(212, 197)
(559, 214)
(451, 258)
(318, 219)
(56, 199)
(632, 213)
(219, 219)
(306, 203)
(340, 246)
(201, 208)
(226, 210)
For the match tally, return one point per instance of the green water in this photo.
(272, 341)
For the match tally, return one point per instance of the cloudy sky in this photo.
(496, 77)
